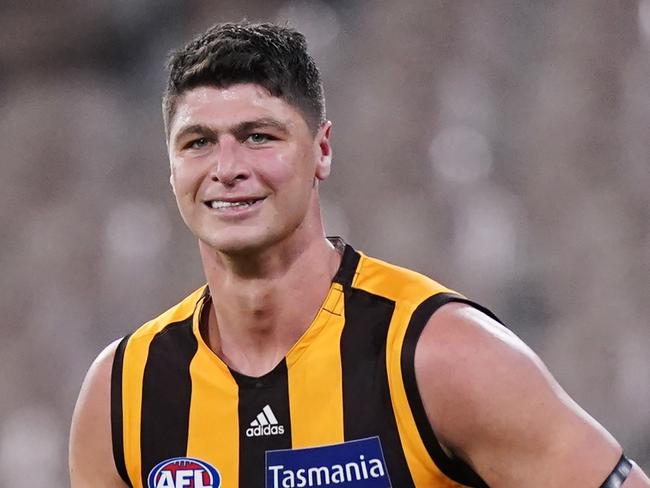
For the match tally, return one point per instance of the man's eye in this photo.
(198, 143)
(258, 138)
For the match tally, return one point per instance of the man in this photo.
(303, 362)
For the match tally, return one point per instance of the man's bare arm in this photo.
(91, 454)
(493, 403)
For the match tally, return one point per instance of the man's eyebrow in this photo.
(195, 129)
(237, 129)
(249, 125)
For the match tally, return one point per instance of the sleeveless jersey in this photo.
(342, 409)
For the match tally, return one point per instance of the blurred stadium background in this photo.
(501, 147)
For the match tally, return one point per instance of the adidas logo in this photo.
(265, 424)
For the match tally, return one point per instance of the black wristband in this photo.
(619, 474)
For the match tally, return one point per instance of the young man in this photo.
(303, 362)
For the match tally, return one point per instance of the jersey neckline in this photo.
(343, 278)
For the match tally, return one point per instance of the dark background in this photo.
(500, 147)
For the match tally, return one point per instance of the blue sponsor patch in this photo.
(183, 472)
(355, 464)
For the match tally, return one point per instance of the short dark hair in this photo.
(272, 56)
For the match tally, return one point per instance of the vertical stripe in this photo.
(117, 427)
(255, 394)
(420, 464)
(367, 406)
(454, 468)
(214, 429)
(424, 471)
(315, 378)
(135, 356)
(166, 394)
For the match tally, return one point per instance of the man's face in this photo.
(243, 167)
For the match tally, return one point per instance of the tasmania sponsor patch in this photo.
(183, 472)
(355, 464)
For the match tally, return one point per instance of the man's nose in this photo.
(229, 164)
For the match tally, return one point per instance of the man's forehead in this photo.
(231, 92)
(231, 105)
(233, 97)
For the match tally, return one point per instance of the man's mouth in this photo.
(223, 204)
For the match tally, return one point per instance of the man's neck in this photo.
(263, 304)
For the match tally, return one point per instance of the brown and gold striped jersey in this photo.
(341, 409)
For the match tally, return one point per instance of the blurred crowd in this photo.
(501, 147)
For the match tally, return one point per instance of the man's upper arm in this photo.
(91, 454)
(493, 403)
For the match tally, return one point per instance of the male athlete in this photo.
(303, 362)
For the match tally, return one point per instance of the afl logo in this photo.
(183, 472)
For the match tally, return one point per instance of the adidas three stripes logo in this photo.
(265, 424)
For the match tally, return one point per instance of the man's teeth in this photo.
(221, 204)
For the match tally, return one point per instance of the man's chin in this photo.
(236, 246)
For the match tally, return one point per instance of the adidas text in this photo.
(261, 430)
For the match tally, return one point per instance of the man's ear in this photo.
(323, 150)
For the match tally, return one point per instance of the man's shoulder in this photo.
(181, 312)
(395, 282)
